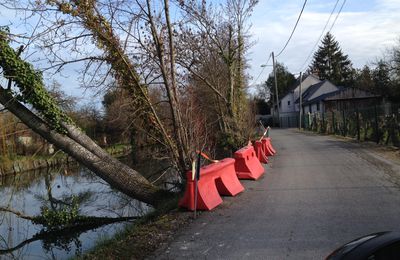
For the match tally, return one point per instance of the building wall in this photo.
(318, 107)
(326, 88)
(287, 102)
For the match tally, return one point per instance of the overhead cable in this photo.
(294, 29)
(319, 38)
(340, 10)
(263, 68)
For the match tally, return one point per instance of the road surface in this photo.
(317, 194)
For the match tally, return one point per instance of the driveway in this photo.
(318, 193)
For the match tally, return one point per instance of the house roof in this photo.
(311, 90)
(351, 93)
(322, 97)
(308, 93)
(297, 83)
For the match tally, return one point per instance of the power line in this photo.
(319, 38)
(294, 28)
(263, 68)
(254, 81)
(340, 10)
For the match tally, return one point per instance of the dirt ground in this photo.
(387, 152)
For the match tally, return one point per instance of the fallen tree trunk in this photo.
(109, 169)
(57, 128)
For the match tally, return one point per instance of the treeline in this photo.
(381, 77)
(175, 82)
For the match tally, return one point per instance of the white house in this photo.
(287, 103)
(313, 98)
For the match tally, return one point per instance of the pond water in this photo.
(53, 188)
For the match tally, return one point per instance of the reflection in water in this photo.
(59, 192)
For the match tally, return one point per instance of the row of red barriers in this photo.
(222, 178)
(247, 165)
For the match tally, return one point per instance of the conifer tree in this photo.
(364, 79)
(330, 63)
(285, 81)
(381, 78)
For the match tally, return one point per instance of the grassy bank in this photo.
(144, 237)
(20, 164)
(17, 164)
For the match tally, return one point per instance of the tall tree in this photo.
(381, 78)
(364, 79)
(211, 50)
(285, 81)
(96, 20)
(393, 64)
(58, 128)
(131, 43)
(330, 63)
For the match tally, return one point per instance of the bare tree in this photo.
(130, 44)
(212, 46)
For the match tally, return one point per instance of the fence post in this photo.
(358, 124)
(376, 125)
(344, 123)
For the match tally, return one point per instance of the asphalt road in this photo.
(317, 194)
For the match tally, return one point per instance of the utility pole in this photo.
(276, 86)
(301, 101)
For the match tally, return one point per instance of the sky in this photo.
(365, 29)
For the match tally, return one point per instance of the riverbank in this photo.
(24, 163)
(19, 164)
(143, 238)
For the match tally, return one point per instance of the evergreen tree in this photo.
(394, 68)
(364, 79)
(381, 78)
(285, 80)
(330, 63)
(386, 81)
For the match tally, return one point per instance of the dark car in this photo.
(382, 245)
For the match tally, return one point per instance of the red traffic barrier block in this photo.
(267, 147)
(247, 165)
(269, 144)
(215, 179)
(258, 148)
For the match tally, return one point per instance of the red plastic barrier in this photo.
(215, 179)
(270, 145)
(247, 165)
(267, 147)
(258, 148)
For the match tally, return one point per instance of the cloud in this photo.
(364, 30)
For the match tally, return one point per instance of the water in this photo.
(28, 192)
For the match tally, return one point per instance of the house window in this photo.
(288, 103)
(309, 108)
(318, 106)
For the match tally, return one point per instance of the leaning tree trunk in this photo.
(57, 128)
(109, 169)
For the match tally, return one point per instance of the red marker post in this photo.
(197, 178)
